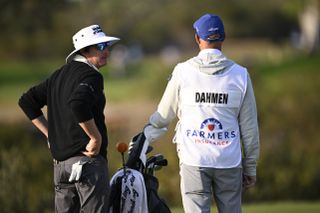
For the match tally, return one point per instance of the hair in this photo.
(84, 50)
(217, 37)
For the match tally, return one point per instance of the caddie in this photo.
(75, 123)
(214, 101)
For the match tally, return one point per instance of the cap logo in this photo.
(213, 29)
(96, 30)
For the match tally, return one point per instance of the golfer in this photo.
(75, 123)
(213, 98)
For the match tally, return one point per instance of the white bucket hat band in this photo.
(89, 36)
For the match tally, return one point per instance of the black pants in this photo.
(89, 194)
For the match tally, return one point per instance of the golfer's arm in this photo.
(91, 129)
(42, 124)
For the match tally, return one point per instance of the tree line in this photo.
(34, 29)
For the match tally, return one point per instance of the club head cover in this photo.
(137, 147)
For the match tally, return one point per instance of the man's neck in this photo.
(212, 45)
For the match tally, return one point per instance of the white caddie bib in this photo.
(209, 108)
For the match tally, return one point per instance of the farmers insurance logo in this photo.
(211, 132)
(211, 124)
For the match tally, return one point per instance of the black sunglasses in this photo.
(102, 46)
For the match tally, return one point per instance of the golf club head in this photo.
(159, 157)
(159, 162)
(153, 159)
(162, 162)
(150, 160)
(157, 168)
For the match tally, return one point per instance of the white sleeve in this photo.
(249, 131)
(168, 106)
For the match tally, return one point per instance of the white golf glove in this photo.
(76, 170)
(152, 133)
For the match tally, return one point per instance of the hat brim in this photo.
(109, 39)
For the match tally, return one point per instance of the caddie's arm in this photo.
(249, 132)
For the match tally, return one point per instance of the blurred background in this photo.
(278, 41)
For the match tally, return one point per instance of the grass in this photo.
(17, 77)
(136, 81)
(276, 207)
(285, 207)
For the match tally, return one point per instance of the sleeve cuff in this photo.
(249, 168)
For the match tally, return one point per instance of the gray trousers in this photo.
(89, 194)
(199, 185)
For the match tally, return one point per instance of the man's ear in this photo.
(197, 39)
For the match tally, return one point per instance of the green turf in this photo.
(281, 207)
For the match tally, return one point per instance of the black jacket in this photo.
(72, 94)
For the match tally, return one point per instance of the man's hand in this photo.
(94, 144)
(249, 181)
(152, 133)
(92, 148)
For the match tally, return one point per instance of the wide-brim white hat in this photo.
(89, 36)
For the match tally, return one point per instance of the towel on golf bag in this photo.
(128, 192)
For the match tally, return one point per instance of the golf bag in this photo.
(134, 188)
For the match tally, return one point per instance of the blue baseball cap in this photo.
(209, 27)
